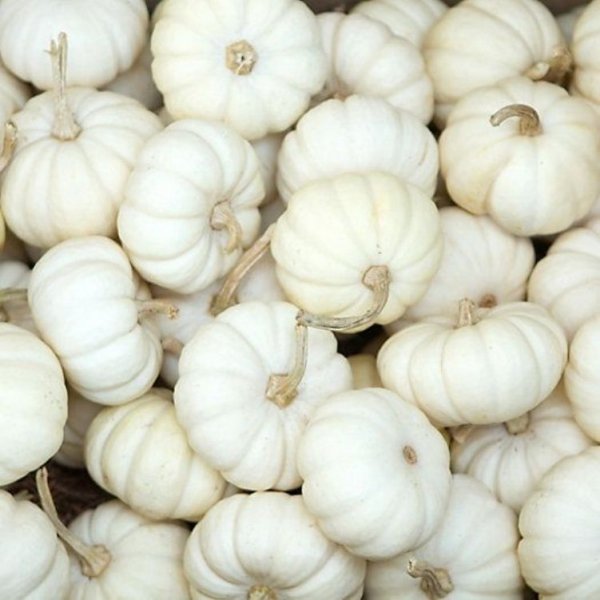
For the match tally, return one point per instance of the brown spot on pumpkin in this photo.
(409, 454)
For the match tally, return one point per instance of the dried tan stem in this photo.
(435, 583)
(223, 217)
(226, 296)
(554, 70)
(13, 294)
(529, 120)
(172, 346)
(64, 127)
(518, 424)
(282, 389)
(377, 279)
(488, 301)
(261, 592)
(240, 57)
(466, 313)
(148, 308)
(8, 146)
(93, 559)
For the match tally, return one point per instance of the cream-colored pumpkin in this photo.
(366, 58)
(481, 42)
(33, 403)
(191, 205)
(34, 563)
(510, 458)
(568, 20)
(585, 47)
(92, 309)
(567, 280)
(15, 275)
(139, 453)
(362, 246)
(483, 367)
(13, 93)
(514, 150)
(481, 261)
(376, 473)
(266, 545)
(582, 377)
(106, 37)
(559, 526)
(357, 135)
(254, 65)
(249, 381)
(364, 371)
(409, 19)
(473, 554)
(73, 155)
(81, 414)
(267, 150)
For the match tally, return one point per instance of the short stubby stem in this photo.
(529, 120)
(467, 314)
(226, 296)
(488, 301)
(282, 389)
(93, 559)
(148, 308)
(518, 424)
(65, 127)
(435, 583)
(223, 217)
(240, 57)
(172, 346)
(555, 70)
(377, 279)
(8, 146)
(261, 592)
(13, 294)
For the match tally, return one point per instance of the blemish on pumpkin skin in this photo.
(409, 454)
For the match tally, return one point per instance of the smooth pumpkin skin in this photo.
(366, 58)
(400, 461)
(476, 544)
(105, 38)
(559, 526)
(193, 37)
(33, 400)
(268, 539)
(35, 565)
(584, 45)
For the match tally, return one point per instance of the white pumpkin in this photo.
(582, 377)
(514, 150)
(559, 526)
(487, 366)
(510, 458)
(254, 65)
(364, 371)
(92, 310)
(481, 261)
(481, 42)
(139, 453)
(106, 37)
(357, 249)
(14, 275)
(567, 280)
(366, 58)
(248, 383)
(81, 414)
(357, 135)
(376, 473)
(33, 403)
(266, 546)
(75, 149)
(409, 19)
(267, 150)
(473, 554)
(191, 205)
(585, 47)
(34, 563)
(568, 20)
(13, 93)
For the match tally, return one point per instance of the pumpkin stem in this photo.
(172, 346)
(223, 217)
(529, 120)
(466, 313)
(93, 559)
(410, 455)
(226, 296)
(148, 308)
(377, 279)
(282, 389)
(8, 146)
(488, 301)
(240, 57)
(518, 425)
(12, 294)
(64, 128)
(435, 583)
(554, 70)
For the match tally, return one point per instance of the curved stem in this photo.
(466, 313)
(377, 279)
(261, 592)
(518, 425)
(8, 146)
(554, 70)
(282, 389)
(148, 308)
(172, 345)
(93, 559)
(12, 294)
(240, 57)
(435, 583)
(64, 128)
(223, 217)
(529, 120)
(226, 296)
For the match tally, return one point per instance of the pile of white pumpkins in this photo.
(196, 264)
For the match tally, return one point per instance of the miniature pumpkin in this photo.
(585, 46)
